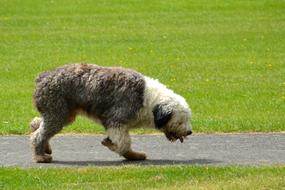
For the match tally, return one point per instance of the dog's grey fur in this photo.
(111, 95)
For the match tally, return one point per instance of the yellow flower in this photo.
(207, 80)
(269, 65)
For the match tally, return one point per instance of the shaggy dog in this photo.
(117, 98)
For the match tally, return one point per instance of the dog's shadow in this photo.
(144, 162)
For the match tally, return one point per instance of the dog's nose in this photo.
(189, 133)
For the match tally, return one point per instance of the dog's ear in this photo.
(162, 114)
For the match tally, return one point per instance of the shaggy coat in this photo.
(117, 98)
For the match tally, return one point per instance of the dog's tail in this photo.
(35, 123)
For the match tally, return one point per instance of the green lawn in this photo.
(137, 177)
(227, 58)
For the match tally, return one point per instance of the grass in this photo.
(225, 57)
(138, 177)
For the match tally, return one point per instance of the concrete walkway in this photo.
(86, 150)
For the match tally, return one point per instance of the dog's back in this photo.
(107, 92)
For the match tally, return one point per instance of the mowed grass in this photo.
(137, 177)
(227, 58)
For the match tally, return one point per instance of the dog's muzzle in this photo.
(171, 136)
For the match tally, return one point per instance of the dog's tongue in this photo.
(181, 139)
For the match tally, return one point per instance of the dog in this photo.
(119, 99)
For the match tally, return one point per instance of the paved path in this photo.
(229, 149)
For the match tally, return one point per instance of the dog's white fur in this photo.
(155, 93)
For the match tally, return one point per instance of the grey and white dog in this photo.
(119, 99)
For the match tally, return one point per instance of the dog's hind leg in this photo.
(35, 124)
(52, 122)
(119, 141)
(40, 138)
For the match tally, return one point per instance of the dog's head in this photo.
(173, 120)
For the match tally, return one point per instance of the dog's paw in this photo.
(132, 155)
(108, 143)
(43, 158)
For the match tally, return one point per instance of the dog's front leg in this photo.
(119, 141)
